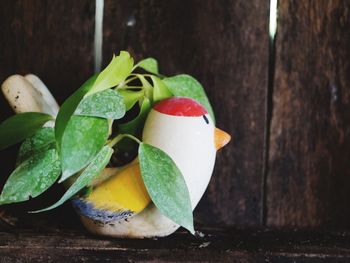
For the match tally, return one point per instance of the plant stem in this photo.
(132, 137)
(119, 137)
(145, 75)
(123, 84)
(131, 87)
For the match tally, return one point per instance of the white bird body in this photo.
(189, 141)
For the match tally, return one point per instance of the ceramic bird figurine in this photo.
(183, 129)
(118, 204)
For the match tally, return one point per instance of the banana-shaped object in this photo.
(29, 94)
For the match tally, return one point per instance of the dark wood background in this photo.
(286, 103)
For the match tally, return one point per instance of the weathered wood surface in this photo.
(51, 39)
(224, 44)
(217, 245)
(309, 172)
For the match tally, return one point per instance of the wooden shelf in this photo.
(212, 245)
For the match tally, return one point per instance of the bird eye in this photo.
(206, 119)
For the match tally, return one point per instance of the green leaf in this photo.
(68, 107)
(117, 71)
(166, 185)
(131, 97)
(90, 173)
(42, 140)
(82, 140)
(149, 64)
(160, 90)
(32, 177)
(107, 104)
(21, 126)
(187, 86)
(135, 126)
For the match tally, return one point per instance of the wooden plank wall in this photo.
(288, 162)
(309, 168)
(50, 39)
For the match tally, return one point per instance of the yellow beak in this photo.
(221, 138)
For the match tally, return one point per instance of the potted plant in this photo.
(135, 151)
